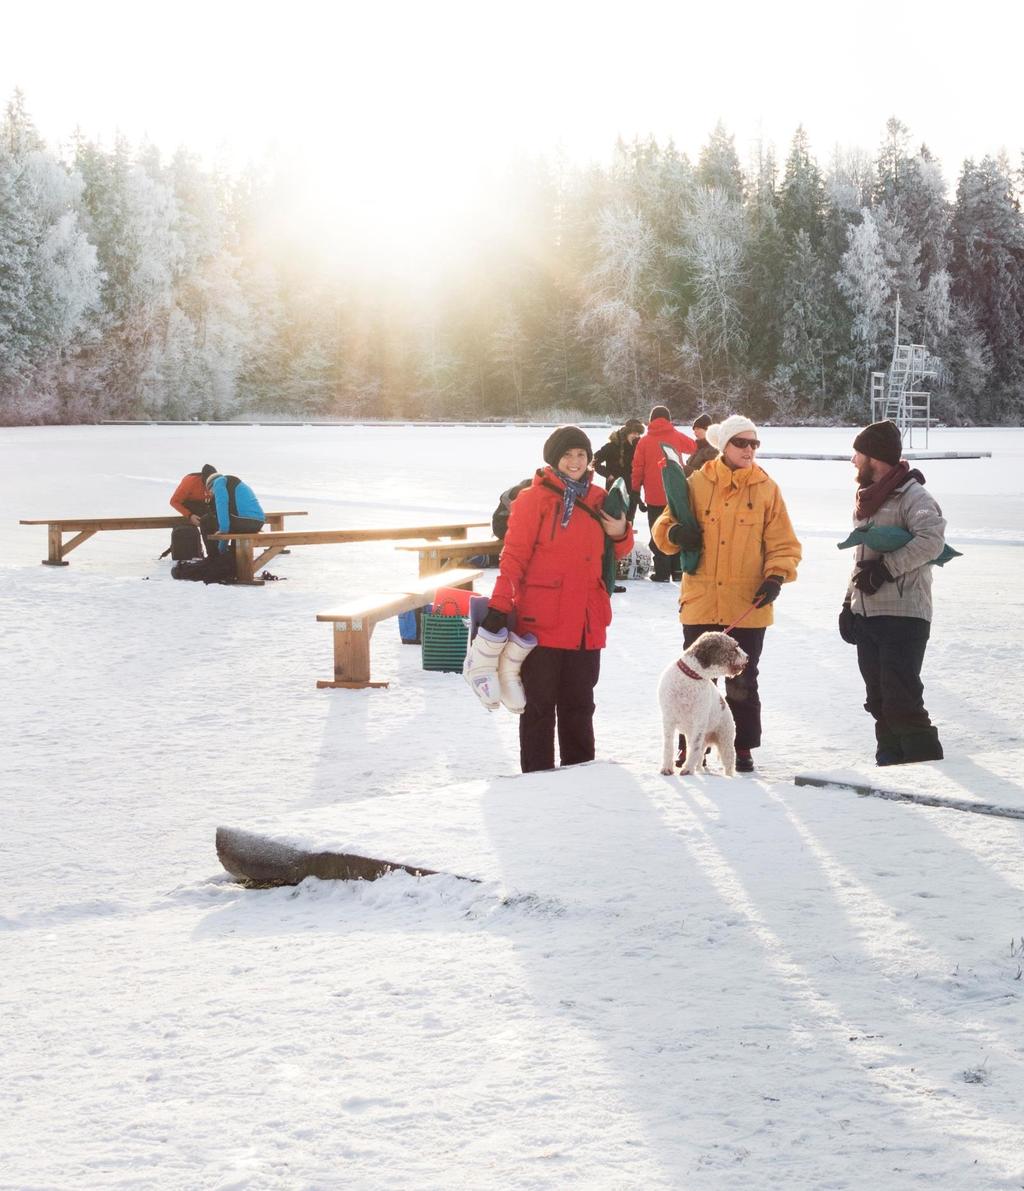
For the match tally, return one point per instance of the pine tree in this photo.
(988, 263)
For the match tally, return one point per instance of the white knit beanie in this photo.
(720, 433)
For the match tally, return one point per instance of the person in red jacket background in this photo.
(550, 574)
(648, 461)
(192, 500)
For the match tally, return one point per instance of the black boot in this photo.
(921, 746)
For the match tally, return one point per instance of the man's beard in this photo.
(865, 478)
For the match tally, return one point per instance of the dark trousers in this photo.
(741, 692)
(666, 566)
(890, 653)
(559, 685)
(203, 509)
(237, 524)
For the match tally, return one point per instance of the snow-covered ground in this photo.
(698, 984)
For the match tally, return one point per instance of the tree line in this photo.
(133, 287)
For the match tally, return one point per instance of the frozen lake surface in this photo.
(699, 984)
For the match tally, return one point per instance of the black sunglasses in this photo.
(743, 443)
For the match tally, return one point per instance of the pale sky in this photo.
(397, 101)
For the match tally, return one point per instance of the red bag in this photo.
(445, 597)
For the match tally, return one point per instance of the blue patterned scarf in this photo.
(574, 489)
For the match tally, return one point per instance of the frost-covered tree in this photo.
(802, 366)
(865, 279)
(620, 286)
(49, 279)
(718, 166)
(714, 247)
(988, 262)
(802, 193)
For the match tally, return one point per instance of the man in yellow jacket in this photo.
(748, 550)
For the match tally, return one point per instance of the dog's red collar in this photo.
(688, 672)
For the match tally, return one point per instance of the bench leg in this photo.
(276, 524)
(243, 564)
(352, 655)
(54, 548)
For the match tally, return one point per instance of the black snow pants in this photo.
(890, 653)
(559, 685)
(740, 692)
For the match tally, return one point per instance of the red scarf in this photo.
(871, 498)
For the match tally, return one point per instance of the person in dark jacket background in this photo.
(705, 450)
(551, 576)
(614, 460)
(235, 507)
(648, 462)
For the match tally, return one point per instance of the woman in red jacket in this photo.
(648, 461)
(550, 574)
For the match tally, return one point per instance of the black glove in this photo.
(768, 592)
(871, 576)
(847, 622)
(686, 537)
(494, 621)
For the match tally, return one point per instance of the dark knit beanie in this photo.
(565, 438)
(882, 441)
(660, 411)
(633, 426)
(208, 470)
(702, 423)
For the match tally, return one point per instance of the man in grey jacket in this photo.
(888, 608)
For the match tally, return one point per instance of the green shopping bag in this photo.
(677, 493)
(445, 638)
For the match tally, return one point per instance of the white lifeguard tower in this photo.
(897, 394)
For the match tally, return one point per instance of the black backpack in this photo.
(499, 519)
(218, 568)
(186, 542)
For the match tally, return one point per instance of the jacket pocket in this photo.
(539, 604)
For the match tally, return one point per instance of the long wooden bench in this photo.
(84, 527)
(442, 556)
(354, 624)
(271, 544)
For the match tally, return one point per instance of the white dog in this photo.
(692, 705)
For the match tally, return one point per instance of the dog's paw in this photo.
(667, 772)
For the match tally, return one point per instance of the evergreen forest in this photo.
(137, 287)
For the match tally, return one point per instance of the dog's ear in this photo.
(707, 650)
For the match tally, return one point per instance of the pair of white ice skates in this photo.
(492, 668)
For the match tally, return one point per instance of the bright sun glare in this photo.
(393, 121)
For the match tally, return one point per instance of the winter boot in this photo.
(744, 761)
(921, 746)
(509, 664)
(480, 668)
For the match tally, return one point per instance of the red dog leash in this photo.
(741, 619)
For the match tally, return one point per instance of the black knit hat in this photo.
(660, 411)
(702, 422)
(882, 441)
(208, 470)
(565, 438)
(633, 426)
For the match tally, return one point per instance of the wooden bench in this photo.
(354, 624)
(84, 527)
(273, 543)
(441, 556)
